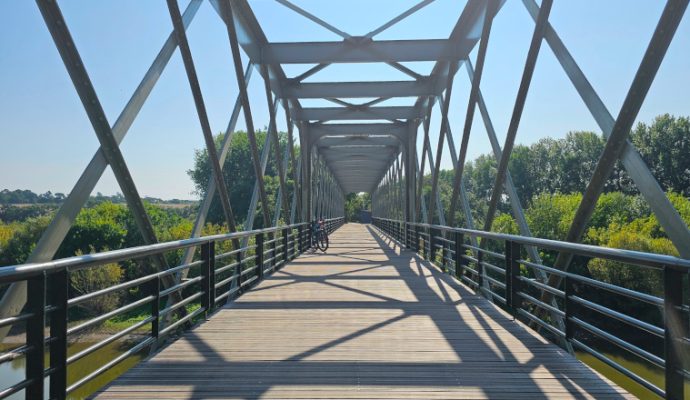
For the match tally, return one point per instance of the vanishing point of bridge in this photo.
(417, 304)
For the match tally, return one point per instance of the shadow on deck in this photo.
(365, 320)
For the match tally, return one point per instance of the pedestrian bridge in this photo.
(419, 304)
(368, 319)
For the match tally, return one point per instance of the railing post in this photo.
(58, 331)
(286, 249)
(206, 258)
(416, 239)
(675, 330)
(300, 246)
(480, 271)
(274, 254)
(212, 275)
(432, 245)
(512, 267)
(569, 307)
(35, 361)
(260, 254)
(155, 307)
(459, 252)
(238, 273)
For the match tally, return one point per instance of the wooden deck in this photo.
(363, 321)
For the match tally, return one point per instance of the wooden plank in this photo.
(366, 320)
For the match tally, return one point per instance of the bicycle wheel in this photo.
(322, 241)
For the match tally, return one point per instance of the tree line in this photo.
(550, 176)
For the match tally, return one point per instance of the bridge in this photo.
(414, 305)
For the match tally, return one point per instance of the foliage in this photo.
(354, 203)
(665, 147)
(13, 213)
(239, 177)
(89, 280)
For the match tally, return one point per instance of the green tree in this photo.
(665, 147)
(239, 176)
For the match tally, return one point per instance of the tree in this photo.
(91, 279)
(239, 176)
(354, 203)
(665, 147)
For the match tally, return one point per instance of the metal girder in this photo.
(471, 106)
(439, 148)
(51, 239)
(362, 50)
(364, 113)
(666, 214)
(342, 142)
(205, 205)
(317, 131)
(216, 168)
(276, 147)
(528, 71)
(615, 145)
(386, 89)
(109, 146)
(227, 12)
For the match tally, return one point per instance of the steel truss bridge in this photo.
(239, 278)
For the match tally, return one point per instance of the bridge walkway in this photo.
(366, 320)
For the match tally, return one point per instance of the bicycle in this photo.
(319, 235)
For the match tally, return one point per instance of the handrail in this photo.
(508, 287)
(625, 256)
(246, 268)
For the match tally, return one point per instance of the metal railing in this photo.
(503, 276)
(222, 273)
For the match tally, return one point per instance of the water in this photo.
(13, 372)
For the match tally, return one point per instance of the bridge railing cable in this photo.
(217, 272)
(591, 307)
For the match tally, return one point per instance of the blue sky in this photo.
(46, 139)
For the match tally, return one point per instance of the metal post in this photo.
(206, 277)
(459, 252)
(512, 267)
(260, 254)
(155, 307)
(35, 358)
(675, 331)
(480, 271)
(286, 252)
(58, 331)
(569, 308)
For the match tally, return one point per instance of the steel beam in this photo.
(666, 214)
(492, 8)
(361, 50)
(216, 168)
(386, 89)
(15, 297)
(227, 12)
(364, 113)
(615, 145)
(528, 71)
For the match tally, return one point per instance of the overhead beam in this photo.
(318, 131)
(319, 90)
(353, 114)
(342, 142)
(360, 50)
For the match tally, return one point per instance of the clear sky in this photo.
(46, 139)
